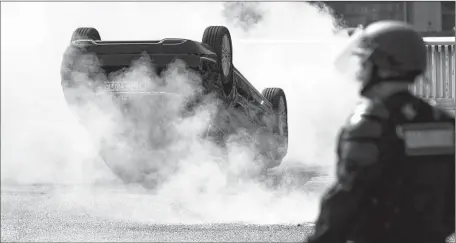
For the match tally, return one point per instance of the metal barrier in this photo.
(438, 85)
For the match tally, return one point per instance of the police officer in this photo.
(396, 162)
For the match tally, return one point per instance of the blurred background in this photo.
(435, 20)
(431, 18)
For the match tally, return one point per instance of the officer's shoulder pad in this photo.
(363, 127)
(372, 108)
(366, 120)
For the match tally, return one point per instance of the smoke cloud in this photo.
(45, 141)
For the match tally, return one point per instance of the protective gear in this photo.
(385, 51)
(395, 176)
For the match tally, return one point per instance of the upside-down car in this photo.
(262, 114)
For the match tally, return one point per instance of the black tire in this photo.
(276, 96)
(84, 33)
(214, 37)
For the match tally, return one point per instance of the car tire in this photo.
(73, 53)
(72, 56)
(278, 100)
(85, 33)
(219, 39)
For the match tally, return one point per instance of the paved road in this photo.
(44, 213)
(105, 213)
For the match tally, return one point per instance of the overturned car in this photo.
(262, 116)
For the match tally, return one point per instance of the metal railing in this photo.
(439, 82)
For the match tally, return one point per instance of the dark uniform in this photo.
(395, 175)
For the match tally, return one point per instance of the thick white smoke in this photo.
(43, 142)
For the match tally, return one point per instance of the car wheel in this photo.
(74, 56)
(278, 100)
(219, 39)
(85, 33)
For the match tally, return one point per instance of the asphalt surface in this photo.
(51, 213)
(114, 213)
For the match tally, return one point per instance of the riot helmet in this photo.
(386, 50)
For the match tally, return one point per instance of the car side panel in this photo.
(112, 60)
(165, 46)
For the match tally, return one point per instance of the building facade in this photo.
(425, 16)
